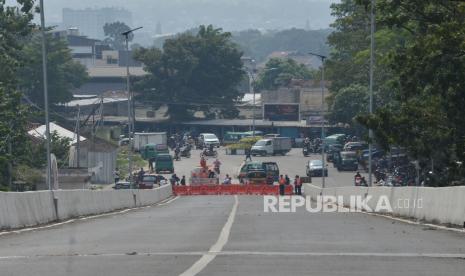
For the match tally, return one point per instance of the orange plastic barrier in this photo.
(255, 189)
(289, 190)
(181, 190)
(271, 190)
(195, 190)
(233, 189)
(210, 190)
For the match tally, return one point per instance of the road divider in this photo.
(19, 210)
(444, 205)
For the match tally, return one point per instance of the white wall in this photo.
(439, 205)
(34, 208)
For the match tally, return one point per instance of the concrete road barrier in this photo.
(439, 205)
(19, 210)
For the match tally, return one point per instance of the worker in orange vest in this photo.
(282, 184)
(203, 162)
(298, 185)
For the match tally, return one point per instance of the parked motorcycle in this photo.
(305, 151)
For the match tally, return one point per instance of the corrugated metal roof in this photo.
(114, 71)
(39, 132)
(248, 122)
(93, 101)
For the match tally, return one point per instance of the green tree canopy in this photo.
(114, 38)
(279, 72)
(15, 24)
(193, 73)
(64, 73)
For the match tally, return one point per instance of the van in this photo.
(164, 163)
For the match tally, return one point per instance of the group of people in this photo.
(285, 180)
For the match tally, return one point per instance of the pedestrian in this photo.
(116, 175)
(298, 185)
(248, 154)
(211, 174)
(282, 185)
(183, 180)
(151, 161)
(174, 179)
(140, 174)
(227, 180)
(203, 162)
(288, 180)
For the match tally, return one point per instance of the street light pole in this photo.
(323, 58)
(130, 114)
(372, 57)
(47, 120)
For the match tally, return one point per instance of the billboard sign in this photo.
(281, 112)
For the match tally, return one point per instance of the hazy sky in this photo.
(178, 15)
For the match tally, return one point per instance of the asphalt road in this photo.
(292, 164)
(227, 235)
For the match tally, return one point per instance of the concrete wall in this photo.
(439, 205)
(34, 208)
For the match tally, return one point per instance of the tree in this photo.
(64, 74)
(114, 38)
(348, 103)
(198, 72)
(279, 72)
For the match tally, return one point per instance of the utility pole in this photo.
(78, 130)
(323, 161)
(47, 121)
(130, 113)
(372, 58)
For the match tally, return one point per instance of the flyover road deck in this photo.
(228, 235)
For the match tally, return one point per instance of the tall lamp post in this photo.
(130, 115)
(323, 58)
(251, 88)
(372, 58)
(47, 120)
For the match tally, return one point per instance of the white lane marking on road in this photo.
(253, 253)
(169, 201)
(198, 266)
(19, 231)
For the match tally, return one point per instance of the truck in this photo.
(272, 146)
(143, 138)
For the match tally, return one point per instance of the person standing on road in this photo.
(282, 185)
(183, 180)
(203, 162)
(248, 154)
(288, 180)
(116, 175)
(298, 185)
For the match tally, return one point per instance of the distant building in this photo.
(91, 21)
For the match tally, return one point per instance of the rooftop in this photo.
(115, 72)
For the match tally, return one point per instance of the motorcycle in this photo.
(177, 156)
(209, 153)
(186, 151)
(305, 151)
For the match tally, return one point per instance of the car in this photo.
(148, 181)
(315, 168)
(334, 148)
(209, 139)
(347, 160)
(271, 169)
(122, 185)
(355, 146)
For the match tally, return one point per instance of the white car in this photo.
(209, 139)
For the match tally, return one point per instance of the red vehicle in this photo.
(148, 181)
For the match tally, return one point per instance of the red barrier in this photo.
(289, 190)
(210, 190)
(255, 189)
(195, 190)
(271, 190)
(232, 189)
(181, 190)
